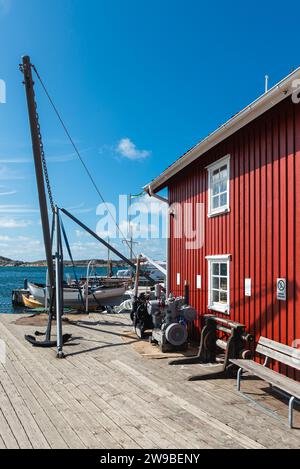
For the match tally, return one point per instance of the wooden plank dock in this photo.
(105, 394)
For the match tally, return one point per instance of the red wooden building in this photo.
(246, 178)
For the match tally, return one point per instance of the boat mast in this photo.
(130, 241)
(26, 68)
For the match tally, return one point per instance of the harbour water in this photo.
(13, 277)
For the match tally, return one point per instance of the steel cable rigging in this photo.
(92, 180)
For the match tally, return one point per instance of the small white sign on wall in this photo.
(248, 287)
(178, 279)
(199, 282)
(281, 289)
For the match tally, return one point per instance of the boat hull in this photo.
(72, 297)
(31, 302)
(37, 291)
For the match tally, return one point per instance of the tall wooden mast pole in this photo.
(36, 146)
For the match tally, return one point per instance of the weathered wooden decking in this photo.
(106, 395)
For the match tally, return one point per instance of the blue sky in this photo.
(138, 83)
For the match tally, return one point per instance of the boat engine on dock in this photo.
(166, 318)
(170, 322)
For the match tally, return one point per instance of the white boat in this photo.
(102, 296)
(156, 272)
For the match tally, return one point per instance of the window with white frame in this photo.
(218, 283)
(218, 186)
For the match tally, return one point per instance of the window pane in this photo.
(223, 172)
(216, 296)
(216, 269)
(223, 186)
(216, 175)
(216, 283)
(223, 297)
(216, 189)
(223, 200)
(216, 202)
(223, 269)
(223, 283)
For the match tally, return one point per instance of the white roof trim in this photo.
(226, 257)
(265, 102)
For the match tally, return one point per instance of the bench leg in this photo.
(239, 377)
(291, 406)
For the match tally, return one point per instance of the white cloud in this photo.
(129, 150)
(7, 175)
(79, 209)
(63, 158)
(51, 159)
(14, 239)
(91, 249)
(16, 160)
(21, 247)
(13, 223)
(8, 193)
(17, 209)
(107, 233)
(79, 247)
(82, 234)
(79, 233)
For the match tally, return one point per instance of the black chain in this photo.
(44, 163)
(46, 174)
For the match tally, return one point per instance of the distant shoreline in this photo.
(80, 263)
(65, 264)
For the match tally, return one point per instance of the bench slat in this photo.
(282, 382)
(288, 360)
(286, 349)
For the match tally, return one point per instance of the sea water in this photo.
(13, 277)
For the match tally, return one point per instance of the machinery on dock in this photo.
(167, 319)
(170, 322)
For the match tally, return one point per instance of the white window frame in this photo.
(220, 307)
(211, 168)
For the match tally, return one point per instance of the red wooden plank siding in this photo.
(290, 226)
(262, 230)
(270, 231)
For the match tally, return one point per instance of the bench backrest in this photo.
(289, 356)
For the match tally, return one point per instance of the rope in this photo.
(79, 155)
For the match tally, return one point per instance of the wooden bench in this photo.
(284, 354)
